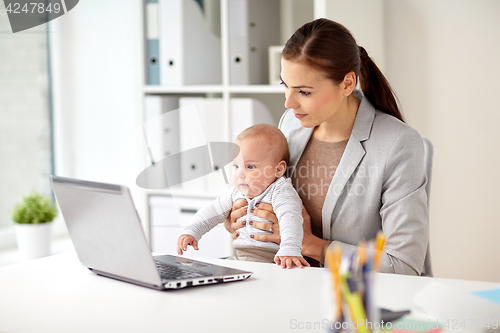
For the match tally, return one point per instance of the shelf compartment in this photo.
(194, 89)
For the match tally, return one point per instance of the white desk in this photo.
(57, 294)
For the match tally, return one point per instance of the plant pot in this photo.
(33, 240)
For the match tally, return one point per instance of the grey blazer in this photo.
(378, 184)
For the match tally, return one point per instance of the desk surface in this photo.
(58, 294)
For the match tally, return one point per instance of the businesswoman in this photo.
(354, 162)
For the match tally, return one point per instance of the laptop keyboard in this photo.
(175, 273)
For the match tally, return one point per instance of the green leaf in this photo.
(34, 209)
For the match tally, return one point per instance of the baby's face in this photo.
(253, 168)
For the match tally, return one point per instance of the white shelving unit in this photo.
(294, 13)
(185, 90)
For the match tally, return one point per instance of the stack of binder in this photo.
(152, 43)
(254, 25)
(162, 135)
(181, 49)
(197, 119)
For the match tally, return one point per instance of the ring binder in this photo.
(254, 25)
(187, 45)
(152, 44)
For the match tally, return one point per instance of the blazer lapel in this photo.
(353, 154)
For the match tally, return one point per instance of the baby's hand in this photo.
(287, 262)
(184, 241)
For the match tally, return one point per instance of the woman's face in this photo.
(313, 98)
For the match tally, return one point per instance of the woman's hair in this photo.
(329, 47)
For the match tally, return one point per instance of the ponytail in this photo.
(329, 47)
(376, 87)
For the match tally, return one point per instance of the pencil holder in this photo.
(349, 289)
(351, 315)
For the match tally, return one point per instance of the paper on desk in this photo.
(446, 303)
(492, 295)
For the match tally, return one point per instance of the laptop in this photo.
(109, 240)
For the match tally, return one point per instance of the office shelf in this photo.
(183, 193)
(182, 90)
(257, 89)
(199, 89)
(293, 13)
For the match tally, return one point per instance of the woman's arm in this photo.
(312, 246)
(403, 208)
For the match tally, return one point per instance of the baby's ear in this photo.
(280, 169)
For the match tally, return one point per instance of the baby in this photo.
(257, 177)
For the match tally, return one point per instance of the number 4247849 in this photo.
(33, 7)
(471, 324)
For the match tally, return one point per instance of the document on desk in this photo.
(446, 303)
(492, 295)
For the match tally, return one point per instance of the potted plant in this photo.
(32, 217)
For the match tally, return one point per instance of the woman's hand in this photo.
(266, 211)
(239, 209)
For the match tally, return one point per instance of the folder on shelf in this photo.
(161, 131)
(190, 51)
(152, 43)
(254, 25)
(246, 112)
(210, 112)
(275, 64)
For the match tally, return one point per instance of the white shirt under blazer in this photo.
(378, 184)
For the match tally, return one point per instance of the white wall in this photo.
(96, 61)
(365, 20)
(442, 58)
